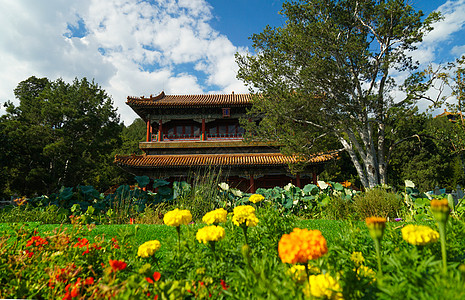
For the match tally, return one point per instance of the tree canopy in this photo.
(327, 73)
(59, 135)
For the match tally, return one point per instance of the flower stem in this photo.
(178, 229)
(212, 246)
(442, 234)
(244, 228)
(378, 255)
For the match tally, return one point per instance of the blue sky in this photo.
(134, 48)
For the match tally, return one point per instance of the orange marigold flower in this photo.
(301, 245)
(117, 265)
(346, 184)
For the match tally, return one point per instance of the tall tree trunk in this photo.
(353, 157)
(381, 160)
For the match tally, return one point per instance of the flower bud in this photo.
(376, 227)
(440, 209)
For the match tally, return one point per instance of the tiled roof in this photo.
(195, 160)
(163, 100)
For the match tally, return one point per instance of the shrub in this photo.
(153, 214)
(378, 202)
(339, 208)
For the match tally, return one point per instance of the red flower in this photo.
(36, 241)
(75, 292)
(115, 243)
(224, 285)
(29, 253)
(149, 280)
(117, 265)
(85, 252)
(67, 296)
(156, 277)
(51, 284)
(131, 220)
(94, 245)
(82, 243)
(89, 280)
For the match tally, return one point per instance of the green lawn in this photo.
(331, 230)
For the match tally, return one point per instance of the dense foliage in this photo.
(60, 134)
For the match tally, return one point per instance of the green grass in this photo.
(331, 229)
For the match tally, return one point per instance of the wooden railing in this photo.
(196, 137)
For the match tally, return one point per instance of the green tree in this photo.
(61, 134)
(428, 157)
(131, 136)
(326, 72)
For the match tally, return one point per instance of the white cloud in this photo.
(453, 12)
(458, 51)
(130, 47)
(438, 47)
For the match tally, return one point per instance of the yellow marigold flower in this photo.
(244, 214)
(419, 234)
(215, 216)
(301, 245)
(148, 248)
(255, 198)
(210, 233)
(357, 258)
(298, 273)
(376, 226)
(177, 217)
(364, 271)
(324, 286)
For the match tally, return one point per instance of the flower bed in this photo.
(255, 252)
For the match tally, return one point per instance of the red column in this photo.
(297, 180)
(314, 179)
(204, 134)
(160, 131)
(149, 138)
(252, 184)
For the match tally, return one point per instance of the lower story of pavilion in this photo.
(247, 172)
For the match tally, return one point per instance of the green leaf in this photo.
(311, 189)
(338, 187)
(159, 183)
(142, 181)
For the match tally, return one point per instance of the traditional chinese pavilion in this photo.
(186, 133)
